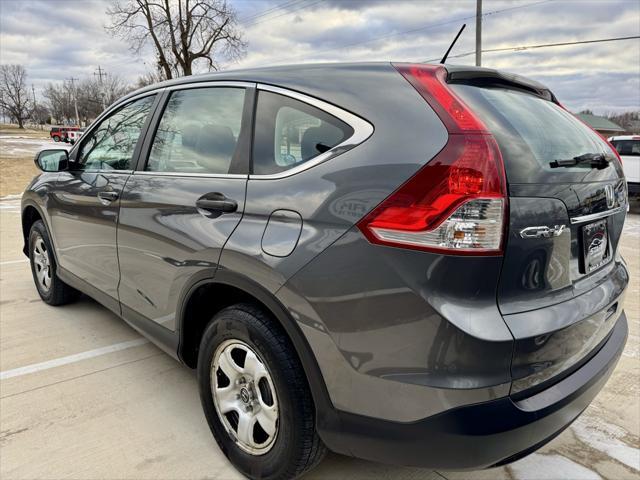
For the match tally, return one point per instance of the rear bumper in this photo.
(485, 434)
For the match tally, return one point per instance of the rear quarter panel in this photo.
(334, 195)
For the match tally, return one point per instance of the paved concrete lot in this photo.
(83, 396)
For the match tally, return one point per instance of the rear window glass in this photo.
(289, 133)
(533, 132)
(627, 147)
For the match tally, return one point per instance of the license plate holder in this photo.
(596, 251)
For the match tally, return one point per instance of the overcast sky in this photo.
(56, 39)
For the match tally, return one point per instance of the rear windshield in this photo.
(533, 133)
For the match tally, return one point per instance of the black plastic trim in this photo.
(98, 295)
(167, 340)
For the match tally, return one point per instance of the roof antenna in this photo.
(444, 59)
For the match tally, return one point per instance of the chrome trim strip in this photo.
(185, 174)
(118, 104)
(597, 216)
(362, 130)
(94, 170)
(221, 83)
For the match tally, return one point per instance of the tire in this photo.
(295, 447)
(52, 290)
(56, 138)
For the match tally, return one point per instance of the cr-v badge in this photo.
(542, 232)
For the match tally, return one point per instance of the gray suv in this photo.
(413, 264)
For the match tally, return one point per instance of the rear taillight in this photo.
(456, 203)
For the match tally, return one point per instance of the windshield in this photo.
(533, 133)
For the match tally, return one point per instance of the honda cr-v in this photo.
(414, 264)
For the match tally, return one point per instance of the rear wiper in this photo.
(597, 160)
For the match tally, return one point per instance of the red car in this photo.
(60, 133)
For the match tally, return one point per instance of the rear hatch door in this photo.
(567, 204)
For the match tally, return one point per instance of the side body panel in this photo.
(164, 240)
(84, 226)
(382, 322)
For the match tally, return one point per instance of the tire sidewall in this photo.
(227, 326)
(38, 230)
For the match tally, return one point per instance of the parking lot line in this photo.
(9, 262)
(57, 362)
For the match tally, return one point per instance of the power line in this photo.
(544, 45)
(281, 6)
(413, 30)
(289, 12)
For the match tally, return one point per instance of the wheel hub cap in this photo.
(42, 264)
(244, 397)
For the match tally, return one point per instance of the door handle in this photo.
(216, 203)
(107, 196)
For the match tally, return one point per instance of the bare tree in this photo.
(60, 101)
(40, 114)
(183, 32)
(89, 91)
(149, 78)
(14, 96)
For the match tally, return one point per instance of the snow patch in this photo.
(632, 349)
(550, 467)
(605, 437)
(11, 197)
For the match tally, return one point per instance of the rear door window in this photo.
(289, 133)
(198, 131)
(533, 133)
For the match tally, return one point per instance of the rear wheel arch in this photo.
(207, 297)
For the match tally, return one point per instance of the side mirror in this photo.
(54, 160)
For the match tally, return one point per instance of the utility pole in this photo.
(33, 91)
(101, 73)
(75, 98)
(478, 33)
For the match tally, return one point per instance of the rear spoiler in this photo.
(488, 76)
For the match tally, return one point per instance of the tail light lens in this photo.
(456, 203)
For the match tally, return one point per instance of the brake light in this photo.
(456, 203)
